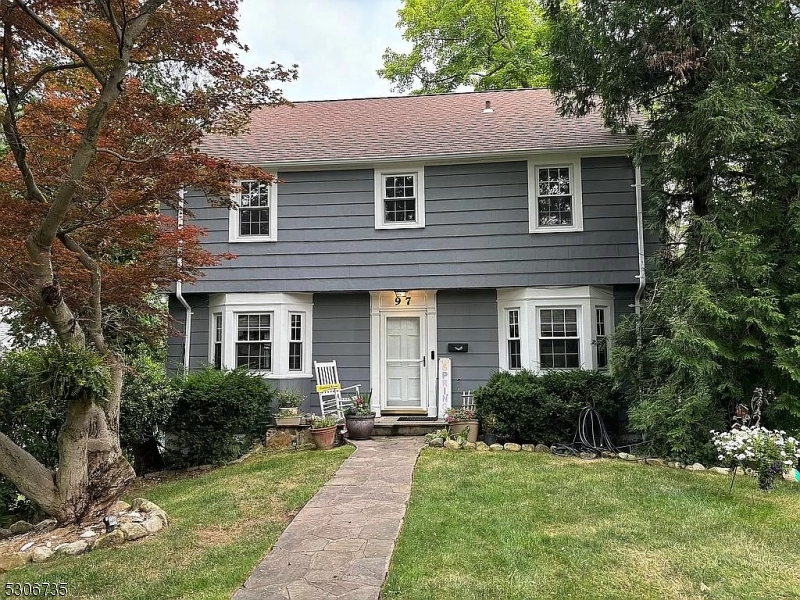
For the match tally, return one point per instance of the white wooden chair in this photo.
(330, 390)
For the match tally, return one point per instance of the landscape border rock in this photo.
(136, 521)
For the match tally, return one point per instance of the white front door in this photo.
(405, 363)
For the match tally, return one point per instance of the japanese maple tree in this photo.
(104, 105)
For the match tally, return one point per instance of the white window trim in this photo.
(281, 306)
(233, 217)
(609, 316)
(530, 300)
(419, 183)
(573, 163)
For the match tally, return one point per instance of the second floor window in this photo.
(399, 199)
(255, 218)
(555, 201)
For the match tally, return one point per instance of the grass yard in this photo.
(533, 526)
(221, 525)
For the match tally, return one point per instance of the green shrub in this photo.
(217, 415)
(147, 400)
(544, 408)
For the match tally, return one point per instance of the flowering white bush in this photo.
(768, 451)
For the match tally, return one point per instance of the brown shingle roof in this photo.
(409, 127)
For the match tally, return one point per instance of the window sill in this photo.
(401, 226)
(255, 238)
(555, 229)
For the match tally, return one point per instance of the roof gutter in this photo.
(187, 344)
(447, 158)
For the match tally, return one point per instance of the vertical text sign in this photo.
(445, 401)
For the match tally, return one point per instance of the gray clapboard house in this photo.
(481, 227)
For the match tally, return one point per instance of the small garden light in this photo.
(110, 522)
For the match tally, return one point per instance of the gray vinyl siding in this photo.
(476, 234)
(198, 354)
(341, 333)
(624, 297)
(468, 316)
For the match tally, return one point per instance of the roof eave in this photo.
(450, 158)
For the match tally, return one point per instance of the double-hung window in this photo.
(399, 198)
(254, 341)
(296, 326)
(554, 196)
(514, 340)
(255, 217)
(559, 344)
(600, 339)
(217, 340)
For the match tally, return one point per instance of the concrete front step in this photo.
(391, 426)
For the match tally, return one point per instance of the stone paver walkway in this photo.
(339, 545)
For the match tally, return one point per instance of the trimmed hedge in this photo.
(217, 416)
(544, 408)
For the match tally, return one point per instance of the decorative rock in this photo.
(13, 561)
(27, 546)
(153, 524)
(542, 448)
(41, 554)
(133, 531)
(452, 445)
(108, 540)
(5, 533)
(437, 443)
(696, 467)
(607, 454)
(469, 445)
(46, 525)
(20, 527)
(720, 470)
(481, 447)
(73, 549)
(122, 506)
(512, 447)
(136, 516)
(626, 456)
(588, 455)
(656, 461)
(528, 447)
(88, 534)
(277, 441)
(151, 509)
(496, 447)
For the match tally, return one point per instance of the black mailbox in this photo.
(458, 347)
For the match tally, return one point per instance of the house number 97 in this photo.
(397, 301)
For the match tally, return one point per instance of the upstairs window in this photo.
(554, 197)
(399, 199)
(255, 218)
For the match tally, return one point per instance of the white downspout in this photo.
(179, 295)
(640, 239)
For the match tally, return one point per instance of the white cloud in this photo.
(337, 44)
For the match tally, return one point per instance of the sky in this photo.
(337, 44)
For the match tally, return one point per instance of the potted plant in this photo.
(289, 400)
(323, 431)
(359, 418)
(489, 426)
(460, 420)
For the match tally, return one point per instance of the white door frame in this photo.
(420, 303)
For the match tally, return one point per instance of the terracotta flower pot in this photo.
(457, 427)
(360, 427)
(324, 437)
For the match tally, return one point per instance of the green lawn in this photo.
(533, 526)
(221, 525)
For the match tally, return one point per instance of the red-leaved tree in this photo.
(104, 103)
